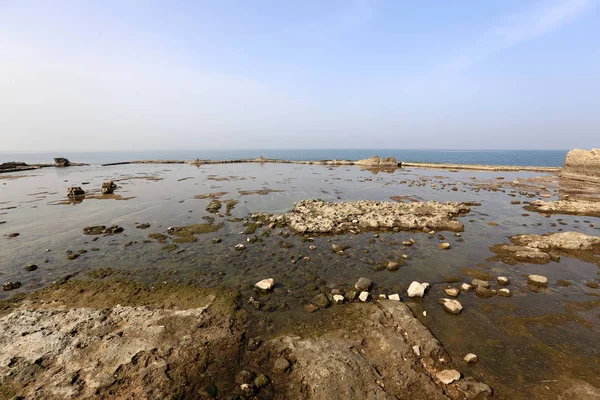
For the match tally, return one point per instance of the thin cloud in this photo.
(521, 28)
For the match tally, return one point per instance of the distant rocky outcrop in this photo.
(75, 191)
(108, 187)
(582, 165)
(61, 162)
(16, 167)
(375, 161)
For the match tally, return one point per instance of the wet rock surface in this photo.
(582, 165)
(317, 216)
(573, 207)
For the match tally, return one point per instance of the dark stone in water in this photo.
(11, 285)
(30, 267)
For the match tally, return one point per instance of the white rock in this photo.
(265, 284)
(502, 280)
(471, 358)
(395, 297)
(452, 292)
(364, 296)
(416, 290)
(382, 297)
(448, 376)
(465, 287)
(417, 351)
(504, 292)
(338, 298)
(240, 247)
(452, 306)
(426, 285)
(424, 313)
(538, 280)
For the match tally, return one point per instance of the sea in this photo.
(545, 158)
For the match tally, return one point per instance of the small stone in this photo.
(382, 297)
(592, 285)
(479, 282)
(392, 266)
(261, 381)
(538, 281)
(448, 376)
(30, 267)
(444, 246)
(502, 280)
(282, 365)
(247, 388)
(244, 377)
(254, 344)
(363, 284)
(13, 235)
(72, 256)
(310, 308)
(416, 289)
(364, 296)
(351, 295)
(465, 287)
(240, 247)
(265, 285)
(216, 240)
(554, 257)
(452, 292)
(11, 285)
(471, 358)
(417, 351)
(451, 305)
(321, 300)
(504, 292)
(312, 247)
(338, 298)
(395, 297)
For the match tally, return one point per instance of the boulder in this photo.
(582, 165)
(416, 289)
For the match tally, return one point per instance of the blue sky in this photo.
(83, 75)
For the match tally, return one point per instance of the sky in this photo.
(148, 75)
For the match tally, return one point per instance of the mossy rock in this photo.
(170, 247)
(196, 229)
(185, 239)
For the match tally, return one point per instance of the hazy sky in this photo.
(125, 75)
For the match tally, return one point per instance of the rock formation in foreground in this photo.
(582, 165)
(318, 216)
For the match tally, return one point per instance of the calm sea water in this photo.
(551, 158)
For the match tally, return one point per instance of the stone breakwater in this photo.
(317, 216)
(582, 165)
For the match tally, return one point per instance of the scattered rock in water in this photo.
(318, 216)
(195, 229)
(392, 266)
(143, 226)
(395, 297)
(471, 358)
(363, 284)
(265, 285)
(504, 292)
(479, 282)
(75, 191)
(13, 235)
(214, 206)
(451, 305)
(61, 162)
(537, 281)
(563, 283)
(321, 300)
(364, 296)
(452, 292)
(592, 285)
(158, 237)
(170, 247)
(240, 247)
(350, 295)
(444, 246)
(448, 376)
(416, 289)
(11, 285)
(101, 229)
(109, 187)
(568, 207)
(30, 267)
(72, 256)
(465, 287)
(502, 280)
(482, 291)
(216, 240)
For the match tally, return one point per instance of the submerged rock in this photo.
(321, 300)
(214, 206)
(317, 216)
(11, 285)
(363, 284)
